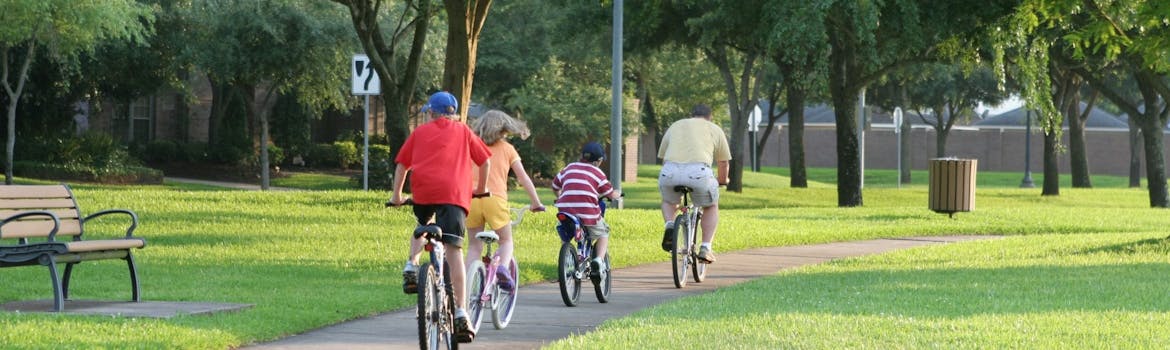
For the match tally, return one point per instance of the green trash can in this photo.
(952, 185)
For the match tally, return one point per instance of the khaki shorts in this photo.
(598, 230)
(492, 211)
(697, 176)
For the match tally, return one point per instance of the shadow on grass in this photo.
(949, 292)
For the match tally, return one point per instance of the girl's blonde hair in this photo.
(493, 125)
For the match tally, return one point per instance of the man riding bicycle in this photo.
(689, 148)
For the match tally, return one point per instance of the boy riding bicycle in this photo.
(442, 151)
(579, 187)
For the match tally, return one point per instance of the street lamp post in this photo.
(1027, 182)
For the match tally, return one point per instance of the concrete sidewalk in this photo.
(541, 317)
(235, 185)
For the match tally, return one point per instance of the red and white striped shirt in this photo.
(580, 186)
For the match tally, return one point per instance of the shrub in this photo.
(227, 154)
(347, 154)
(78, 172)
(194, 152)
(381, 169)
(162, 151)
(321, 155)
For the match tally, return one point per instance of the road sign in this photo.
(365, 79)
(754, 119)
(897, 120)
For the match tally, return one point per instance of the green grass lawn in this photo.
(1087, 264)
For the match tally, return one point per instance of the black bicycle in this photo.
(436, 298)
(577, 249)
(685, 252)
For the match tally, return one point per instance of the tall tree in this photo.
(269, 48)
(465, 20)
(1128, 38)
(868, 39)
(796, 45)
(395, 38)
(67, 28)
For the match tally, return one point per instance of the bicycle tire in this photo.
(680, 252)
(567, 274)
(435, 321)
(506, 301)
(476, 285)
(698, 268)
(605, 284)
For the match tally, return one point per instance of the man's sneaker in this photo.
(504, 279)
(668, 239)
(705, 255)
(410, 281)
(463, 331)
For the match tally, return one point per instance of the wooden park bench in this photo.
(42, 225)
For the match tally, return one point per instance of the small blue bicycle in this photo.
(573, 261)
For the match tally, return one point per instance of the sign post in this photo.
(365, 83)
(753, 127)
(898, 140)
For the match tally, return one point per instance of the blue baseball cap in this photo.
(442, 102)
(593, 152)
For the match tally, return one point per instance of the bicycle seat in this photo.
(682, 189)
(428, 232)
(488, 236)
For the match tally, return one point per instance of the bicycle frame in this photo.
(491, 296)
(443, 335)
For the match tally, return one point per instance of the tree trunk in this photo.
(1078, 155)
(13, 99)
(465, 19)
(1155, 165)
(1051, 170)
(843, 65)
(798, 171)
(1135, 153)
(738, 102)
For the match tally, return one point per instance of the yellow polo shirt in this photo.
(694, 140)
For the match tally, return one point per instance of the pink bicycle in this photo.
(483, 286)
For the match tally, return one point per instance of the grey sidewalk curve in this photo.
(236, 185)
(541, 317)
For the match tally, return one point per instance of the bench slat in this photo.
(104, 244)
(37, 203)
(62, 214)
(31, 229)
(34, 191)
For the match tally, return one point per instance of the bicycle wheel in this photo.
(506, 301)
(434, 316)
(698, 268)
(567, 274)
(476, 284)
(681, 252)
(605, 284)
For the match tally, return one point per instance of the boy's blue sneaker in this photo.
(504, 279)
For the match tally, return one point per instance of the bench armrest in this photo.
(129, 230)
(17, 217)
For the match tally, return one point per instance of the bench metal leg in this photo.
(58, 291)
(65, 280)
(133, 277)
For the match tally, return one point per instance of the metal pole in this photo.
(752, 147)
(861, 135)
(366, 146)
(1027, 181)
(898, 140)
(615, 120)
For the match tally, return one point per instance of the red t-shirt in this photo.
(580, 186)
(439, 155)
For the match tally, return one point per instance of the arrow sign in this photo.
(365, 79)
